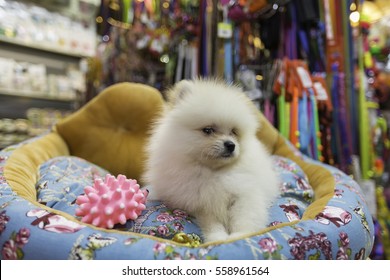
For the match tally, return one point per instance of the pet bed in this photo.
(320, 214)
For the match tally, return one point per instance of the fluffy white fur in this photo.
(191, 167)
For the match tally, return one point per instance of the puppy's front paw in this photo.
(216, 236)
(238, 235)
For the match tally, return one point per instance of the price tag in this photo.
(304, 77)
(225, 30)
(282, 77)
(321, 92)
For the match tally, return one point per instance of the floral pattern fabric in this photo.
(342, 230)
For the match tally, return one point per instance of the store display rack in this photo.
(14, 102)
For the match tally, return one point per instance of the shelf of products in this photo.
(36, 27)
(38, 80)
(43, 58)
(34, 95)
(42, 46)
(34, 78)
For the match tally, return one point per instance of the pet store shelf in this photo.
(36, 95)
(43, 47)
(14, 102)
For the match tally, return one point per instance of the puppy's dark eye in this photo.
(234, 132)
(208, 130)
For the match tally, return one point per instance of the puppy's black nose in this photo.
(229, 146)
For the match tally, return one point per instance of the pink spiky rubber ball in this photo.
(112, 201)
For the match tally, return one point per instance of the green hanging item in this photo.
(282, 113)
(126, 8)
(363, 119)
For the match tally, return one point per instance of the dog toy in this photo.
(112, 201)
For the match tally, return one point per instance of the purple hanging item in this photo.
(345, 132)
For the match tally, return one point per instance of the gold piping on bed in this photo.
(22, 168)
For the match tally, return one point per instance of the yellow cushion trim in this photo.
(111, 130)
(267, 133)
(22, 168)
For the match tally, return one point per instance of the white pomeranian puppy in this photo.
(204, 158)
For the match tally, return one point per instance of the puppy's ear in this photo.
(179, 91)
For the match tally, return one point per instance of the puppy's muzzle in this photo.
(229, 148)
